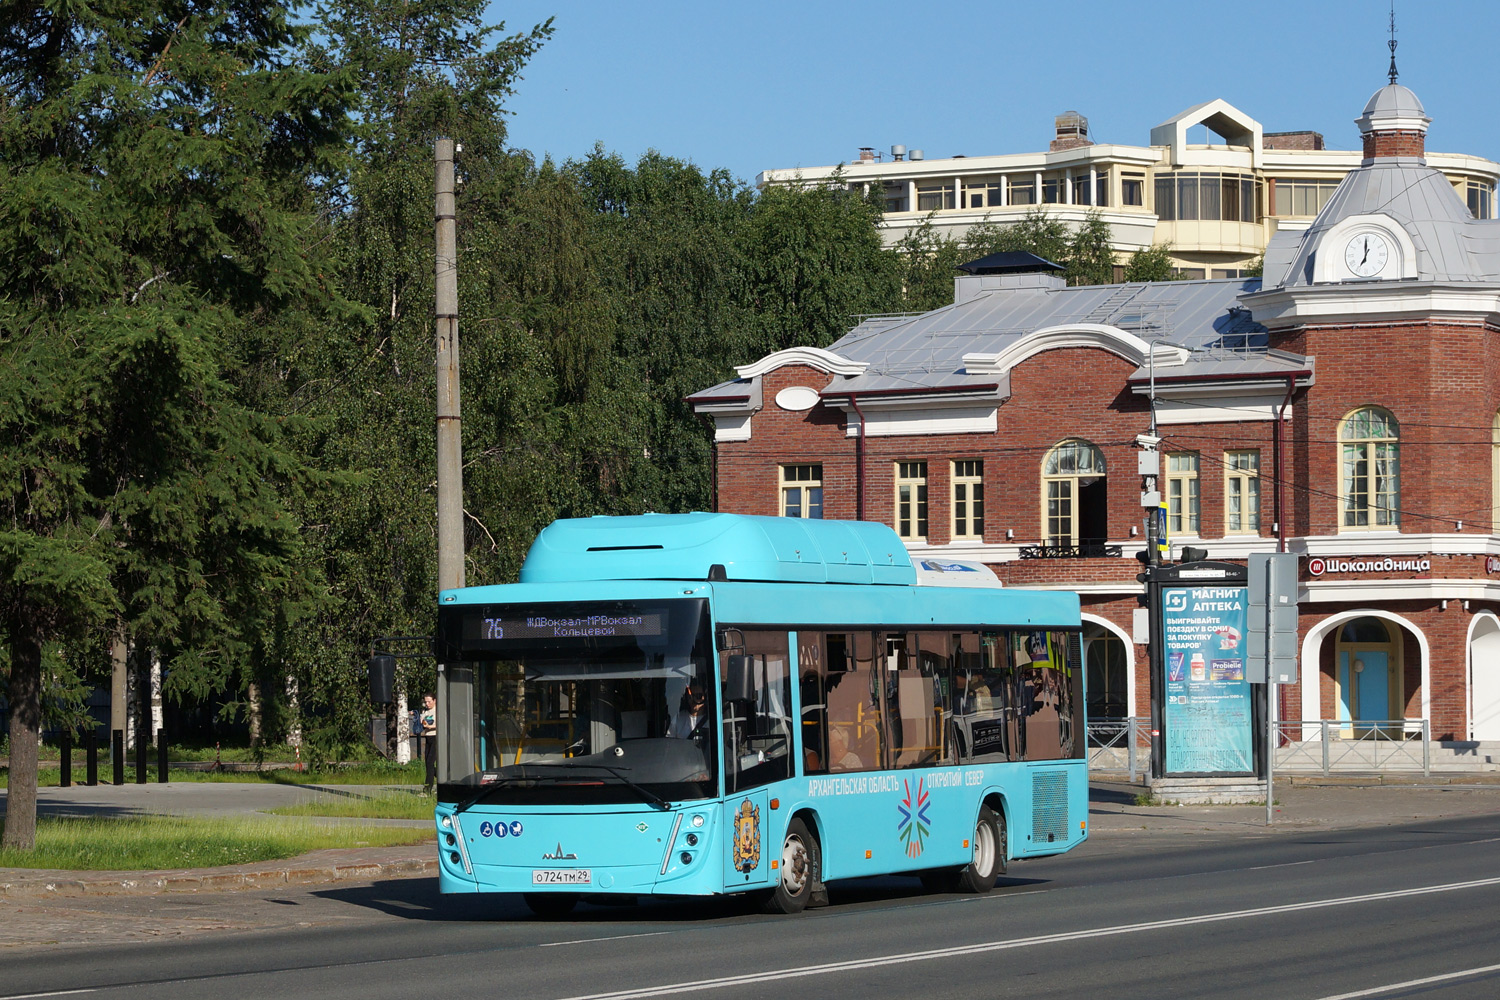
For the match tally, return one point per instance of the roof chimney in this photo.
(898, 153)
(1072, 132)
(866, 154)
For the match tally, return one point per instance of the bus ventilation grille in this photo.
(1049, 807)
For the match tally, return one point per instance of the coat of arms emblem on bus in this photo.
(913, 825)
(747, 837)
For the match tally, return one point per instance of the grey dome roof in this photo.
(1394, 99)
(1393, 107)
(1451, 245)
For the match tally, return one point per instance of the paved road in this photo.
(1312, 915)
(1161, 902)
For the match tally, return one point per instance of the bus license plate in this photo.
(561, 876)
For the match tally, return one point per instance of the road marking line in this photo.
(55, 993)
(617, 937)
(993, 946)
(1376, 991)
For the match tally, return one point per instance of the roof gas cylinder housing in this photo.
(703, 546)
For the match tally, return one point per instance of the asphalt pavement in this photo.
(1116, 809)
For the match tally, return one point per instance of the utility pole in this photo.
(450, 470)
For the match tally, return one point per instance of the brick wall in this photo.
(1443, 393)
(1394, 143)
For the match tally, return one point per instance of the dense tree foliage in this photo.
(162, 164)
(1151, 264)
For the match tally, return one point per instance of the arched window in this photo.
(1074, 501)
(1369, 471)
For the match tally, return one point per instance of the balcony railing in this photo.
(1083, 550)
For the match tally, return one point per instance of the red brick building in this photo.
(1344, 408)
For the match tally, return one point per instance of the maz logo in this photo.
(557, 855)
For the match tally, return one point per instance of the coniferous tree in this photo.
(154, 218)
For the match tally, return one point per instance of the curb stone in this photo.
(19, 883)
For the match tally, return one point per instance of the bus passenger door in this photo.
(751, 845)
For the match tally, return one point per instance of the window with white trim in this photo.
(1074, 507)
(1369, 471)
(802, 491)
(911, 501)
(968, 499)
(1242, 492)
(1182, 492)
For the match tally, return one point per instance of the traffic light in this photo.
(1191, 555)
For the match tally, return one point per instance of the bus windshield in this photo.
(573, 703)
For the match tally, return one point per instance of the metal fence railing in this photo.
(1122, 744)
(1320, 745)
(1330, 745)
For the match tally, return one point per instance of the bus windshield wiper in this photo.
(644, 792)
(495, 785)
(515, 779)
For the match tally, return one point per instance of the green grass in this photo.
(144, 843)
(384, 805)
(377, 773)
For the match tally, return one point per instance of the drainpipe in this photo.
(1291, 386)
(859, 463)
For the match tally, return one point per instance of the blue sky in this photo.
(774, 83)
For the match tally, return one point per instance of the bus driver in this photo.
(692, 714)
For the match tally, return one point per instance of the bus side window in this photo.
(757, 717)
(921, 674)
(852, 699)
(1039, 694)
(812, 681)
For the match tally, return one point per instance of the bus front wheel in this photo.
(798, 870)
(550, 905)
(989, 853)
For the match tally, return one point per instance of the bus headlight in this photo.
(685, 858)
(698, 819)
(446, 822)
(692, 840)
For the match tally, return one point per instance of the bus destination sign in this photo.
(575, 624)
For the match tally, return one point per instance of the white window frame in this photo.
(1183, 494)
(1370, 450)
(789, 479)
(966, 509)
(1064, 487)
(910, 498)
(1243, 481)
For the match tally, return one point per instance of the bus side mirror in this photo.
(382, 667)
(740, 685)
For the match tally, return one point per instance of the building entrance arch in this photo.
(1353, 646)
(1484, 677)
(1109, 669)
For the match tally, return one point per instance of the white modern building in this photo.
(1218, 203)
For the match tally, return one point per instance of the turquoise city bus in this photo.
(702, 704)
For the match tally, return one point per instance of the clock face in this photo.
(1366, 254)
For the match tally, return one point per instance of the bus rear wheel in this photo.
(550, 905)
(989, 853)
(798, 870)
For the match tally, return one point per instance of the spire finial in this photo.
(1392, 43)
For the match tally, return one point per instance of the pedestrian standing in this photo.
(429, 739)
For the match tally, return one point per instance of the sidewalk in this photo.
(1301, 803)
